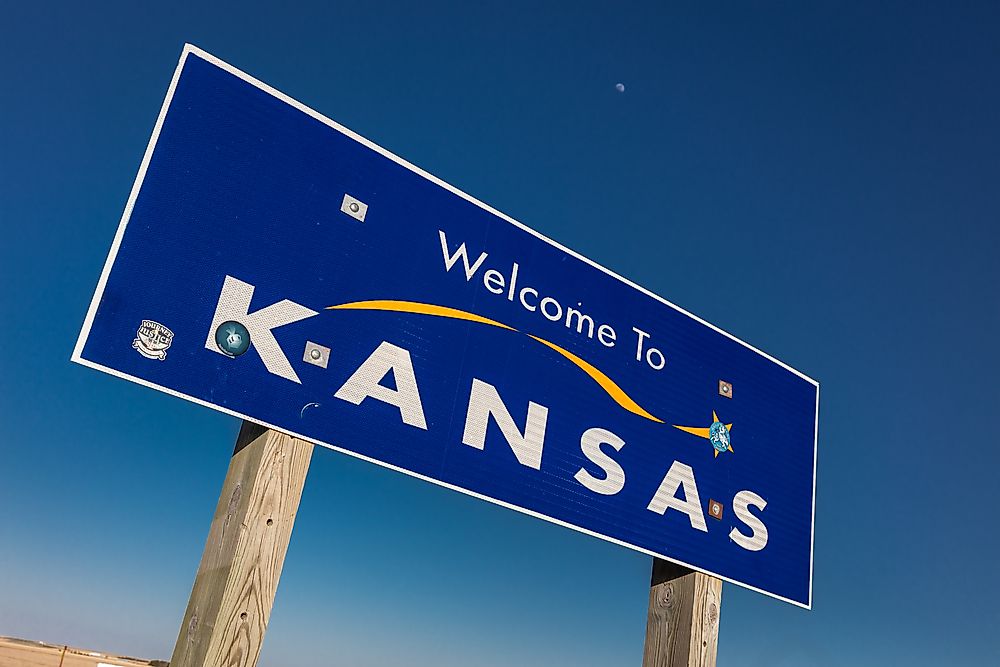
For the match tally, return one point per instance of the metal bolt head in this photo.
(353, 207)
(316, 354)
(725, 389)
(715, 509)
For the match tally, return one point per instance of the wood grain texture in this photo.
(230, 604)
(682, 623)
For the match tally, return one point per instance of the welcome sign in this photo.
(277, 267)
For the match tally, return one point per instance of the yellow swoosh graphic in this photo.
(613, 390)
(420, 308)
(700, 432)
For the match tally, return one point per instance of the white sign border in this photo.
(127, 214)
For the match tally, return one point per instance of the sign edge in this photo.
(452, 487)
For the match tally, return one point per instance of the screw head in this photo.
(232, 338)
(715, 509)
(316, 354)
(354, 207)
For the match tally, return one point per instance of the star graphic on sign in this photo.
(717, 434)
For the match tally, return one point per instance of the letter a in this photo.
(366, 381)
(666, 498)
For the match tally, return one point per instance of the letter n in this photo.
(485, 402)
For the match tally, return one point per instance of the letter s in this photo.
(758, 540)
(614, 476)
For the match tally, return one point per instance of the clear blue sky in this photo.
(822, 182)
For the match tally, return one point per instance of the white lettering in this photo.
(606, 331)
(580, 319)
(366, 382)
(493, 281)
(513, 283)
(485, 402)
(533, 300)
(463, 253)
(741, 503)
(638, 349)
(654, 358)
(525, 303)
(666, 498)
(234, 305)
(614, 476)
(555, 316)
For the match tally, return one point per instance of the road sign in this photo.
(275, 266)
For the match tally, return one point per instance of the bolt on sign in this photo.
(277, 267)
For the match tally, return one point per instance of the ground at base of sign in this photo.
(26, 653)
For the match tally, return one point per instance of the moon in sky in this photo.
(620, 87)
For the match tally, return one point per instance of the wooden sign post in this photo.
(233, 592)
(682, 623)
(230, 604)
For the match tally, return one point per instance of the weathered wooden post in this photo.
(682, 624)
(230, 603)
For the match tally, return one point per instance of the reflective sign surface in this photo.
(275, 266)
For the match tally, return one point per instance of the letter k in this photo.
(234, 305)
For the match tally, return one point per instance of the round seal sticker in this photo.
(232, 338)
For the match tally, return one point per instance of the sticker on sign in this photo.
(278, 267)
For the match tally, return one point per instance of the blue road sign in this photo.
(277, 267)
